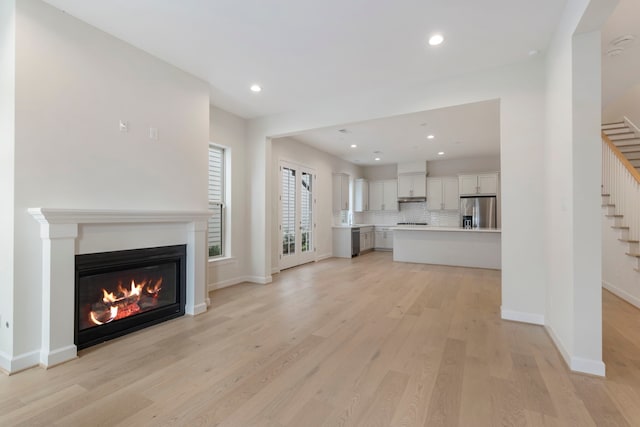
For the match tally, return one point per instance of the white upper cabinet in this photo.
(340, 192)
(442, 193)
(361, 203)
(390, 195)
(412, 185)
(450, 194)
(383, 195)
(478, 184)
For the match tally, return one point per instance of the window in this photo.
(216, 201)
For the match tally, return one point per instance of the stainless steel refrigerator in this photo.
(478, 212)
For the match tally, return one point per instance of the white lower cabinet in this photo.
(383, 238)
(366, 238)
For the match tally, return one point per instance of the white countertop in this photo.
(362, 225)
(436, 228)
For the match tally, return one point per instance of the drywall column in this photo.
(7, 179)
(587, 238)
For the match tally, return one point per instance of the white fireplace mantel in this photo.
(59, 230)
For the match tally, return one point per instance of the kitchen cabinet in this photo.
(361, 203)
(340, 192)
(366, 239)
(383, 238)
(442, 193)
(341, 242)
(412, 185)
(478, 184)
(383, 195)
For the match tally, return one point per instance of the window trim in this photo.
(225, 240)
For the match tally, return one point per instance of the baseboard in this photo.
(275, 270)
(259, 279)
(226, 283)
(10, 365)
(520, 316)
(588, 366)
(324, 256)
(633, 300)
(196, 309)
(577, 364)
(58, 356)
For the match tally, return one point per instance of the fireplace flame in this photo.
(155, 289)
(114, 314)
(125, 302)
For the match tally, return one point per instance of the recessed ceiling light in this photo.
(377, 159)
(436, 39)
(440, 153)
(430, 136)
(354, 146)
(256, 88)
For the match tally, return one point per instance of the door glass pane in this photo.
(288, 211)
(306, 220)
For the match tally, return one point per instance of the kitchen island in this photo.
(447, 246)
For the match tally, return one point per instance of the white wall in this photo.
(324, 165)
(74, 83)
(380, 172)
(454, 167)
(572, 154)
(520, 89)
(627, 105)
(7, 117)
(229, 130)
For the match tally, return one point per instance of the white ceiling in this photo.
(470, 130)
(620, 73)
(306, 51)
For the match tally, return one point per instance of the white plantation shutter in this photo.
(216, 201)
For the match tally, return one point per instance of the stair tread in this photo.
(620, 227)
(609, 205)
(629, 241)
(617, 131)
(633, 254)
(615, 216)
(614, 140)
(605, 195)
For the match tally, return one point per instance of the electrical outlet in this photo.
(124, 126)
(153, 133)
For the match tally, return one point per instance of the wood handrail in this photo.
(621, 157)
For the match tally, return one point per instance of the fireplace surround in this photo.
(66, 233)
(119, 292)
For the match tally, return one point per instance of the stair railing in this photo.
(621, 181)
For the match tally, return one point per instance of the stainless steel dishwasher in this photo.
(355, 241)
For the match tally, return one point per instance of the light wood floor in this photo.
(364, 342)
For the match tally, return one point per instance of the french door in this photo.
(297, 221)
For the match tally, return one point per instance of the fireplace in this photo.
(123, 291)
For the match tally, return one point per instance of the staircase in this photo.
(626, 140)
(621, 183)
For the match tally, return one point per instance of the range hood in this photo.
(411, 199)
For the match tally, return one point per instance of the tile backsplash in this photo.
(410, 212)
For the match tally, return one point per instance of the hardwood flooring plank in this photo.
(341, 342)
(385, 400)
(536, 396)
(597, 401)
(444, 407)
